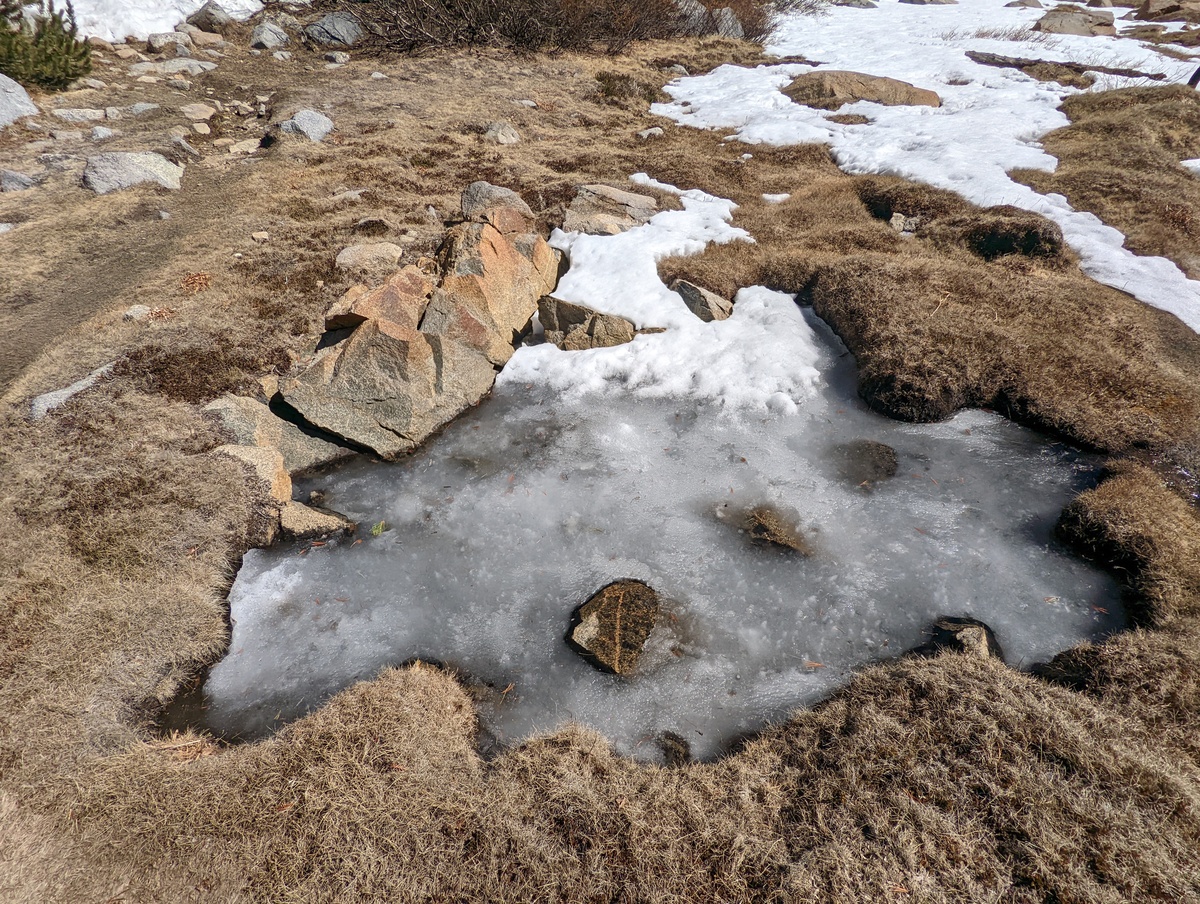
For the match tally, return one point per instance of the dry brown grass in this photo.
(926, 779)
(1119, 159)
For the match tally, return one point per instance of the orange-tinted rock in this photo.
(402, 299)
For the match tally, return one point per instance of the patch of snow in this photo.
(1193, 165)
(777, 198)
(989, 123)
(113, 20)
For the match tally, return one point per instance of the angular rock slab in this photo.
(388, 387)
(402, 299)
(312, 125)
(574, 327)
(832, 89)
(300, 522)
(604, 210)
(610, 630)
(706, 305)
(254, 424)
(336, 30)
(106, 173)
(500, 276)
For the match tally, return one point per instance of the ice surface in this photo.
(532, 502)
(989, 123)
(633, 462)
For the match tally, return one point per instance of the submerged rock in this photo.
(865, 462)
(610, 630)
(831, 89)
(573, 327)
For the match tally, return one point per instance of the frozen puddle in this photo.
(529, 504)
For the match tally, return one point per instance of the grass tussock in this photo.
(1120, 159)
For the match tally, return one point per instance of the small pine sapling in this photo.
(46, 52)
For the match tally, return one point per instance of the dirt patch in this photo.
(1120, 159)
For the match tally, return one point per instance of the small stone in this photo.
(241, 109)
(961, 635)
(112, 114)
(378, 76)
(206, 41)
(654, 132)
(79, 115)
(66, 135)
(126, 53)
(141, 109)
(202, 128)
(610, 630)
(282, 55)
(197, 112)
(376, 256)
(93, 83)
(173, 43)
(249, 146)
(260, 236)
(181, 142)
(501, 133)
(574, 327)
(268, 36)
(223, 143)
(312, 125)
(136, 313)
(528, 104)
(179, 84)
(337, 56)
(102, 133)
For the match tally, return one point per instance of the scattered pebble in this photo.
(648, 134)
(260, 236)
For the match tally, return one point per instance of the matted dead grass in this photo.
(926, 779)
(1119, 159)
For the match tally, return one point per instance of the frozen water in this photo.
(633, 462)
(526, 506)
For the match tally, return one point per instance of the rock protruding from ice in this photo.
(832, 89)
(604, 210)
(573, 327)
(14, 102)
(301, 522)
(610, 630)
(962, 635)
(706, 305)
(106, 173)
